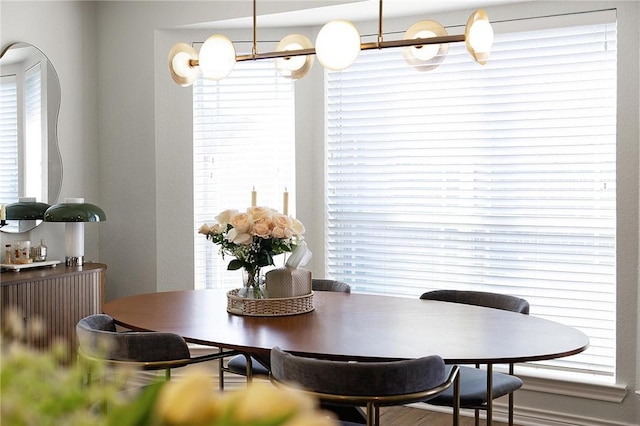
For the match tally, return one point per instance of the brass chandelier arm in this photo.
(363, 46)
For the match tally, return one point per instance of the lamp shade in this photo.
(427, 56)
(479, 36)
(26, 210)
(74, 212)
(180, 68)
(297, 66)
(338, 44)
(217, 57)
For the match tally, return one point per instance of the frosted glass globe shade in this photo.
(427, 56)
(479, 36)
(294, 67)
(180, 68)
(217, 57)
(338, 45)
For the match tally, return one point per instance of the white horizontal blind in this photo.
(496, 178)
(34, 182)
(244, 137)
(8, 140)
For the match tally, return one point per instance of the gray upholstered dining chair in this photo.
(474, 381)
(100, 341)
(249, 366)
(368, 384)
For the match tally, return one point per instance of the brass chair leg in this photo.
(489, 394)
(249, 369)
(220, 371)
(456, 401)
(371, 417)
(511, 403)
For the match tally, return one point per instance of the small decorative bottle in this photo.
(7, 254)
(41, 252)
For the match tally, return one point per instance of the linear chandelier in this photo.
(338, 44)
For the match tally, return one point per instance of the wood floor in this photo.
(407, 416)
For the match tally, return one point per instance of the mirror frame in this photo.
(54, 162)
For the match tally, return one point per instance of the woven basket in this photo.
(273, 307)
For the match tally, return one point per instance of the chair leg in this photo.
(489, 394)
(371, 415)
(456, 401)
(220, 371)
(249, 370)
(511, 403)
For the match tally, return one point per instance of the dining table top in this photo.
(355, 326)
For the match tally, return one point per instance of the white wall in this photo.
(125, 136)
(65, 32)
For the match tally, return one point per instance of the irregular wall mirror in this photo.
(30, 162)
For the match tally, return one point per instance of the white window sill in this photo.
(574, 385)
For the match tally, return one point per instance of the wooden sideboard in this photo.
(58, 296)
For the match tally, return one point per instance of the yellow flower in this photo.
(190, 401)
(266, 403)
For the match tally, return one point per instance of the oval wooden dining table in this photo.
(355, 327)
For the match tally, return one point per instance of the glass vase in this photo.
(252, 284)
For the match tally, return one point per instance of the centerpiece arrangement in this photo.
(253, 238)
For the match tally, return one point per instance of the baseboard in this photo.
(528, 417)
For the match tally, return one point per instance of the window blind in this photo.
(34, 182)
(244, 138)
(496, 178)
(8, 139)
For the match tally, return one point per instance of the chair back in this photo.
(359, 383)
(98, 338)
(480, 298)
(318, 284)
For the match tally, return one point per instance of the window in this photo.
(22, 142)
(35, 160)
(496, 178)
(244, 138)
(9, 139)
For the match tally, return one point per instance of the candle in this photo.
(254, 197)
(3, 212)
(285, 202)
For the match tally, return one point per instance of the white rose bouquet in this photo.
(253, 238)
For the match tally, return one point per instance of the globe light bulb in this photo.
(479, 36)
(217, 57)
(338, 45)
(290, 63)
(180, 64)
(180, 68)
(427, 51)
